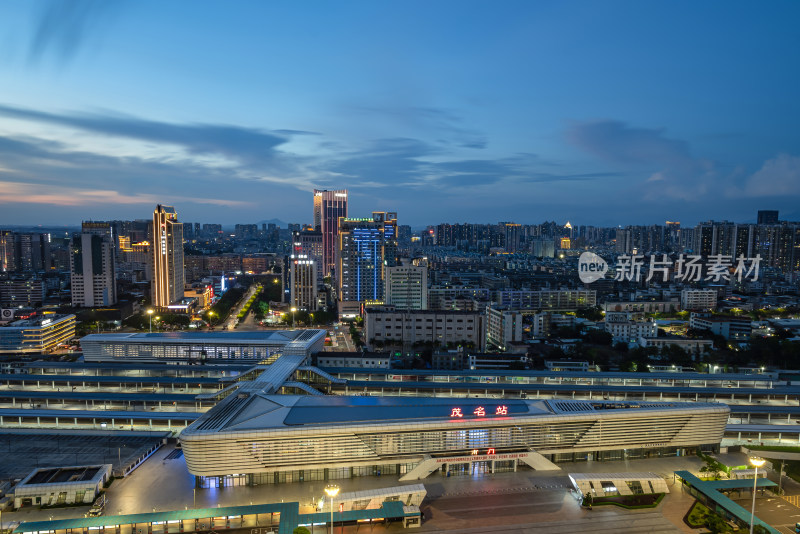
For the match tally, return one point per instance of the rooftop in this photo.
(41, 320)
(271, 336)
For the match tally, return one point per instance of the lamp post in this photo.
(157, 319)
(150, 313)
(332, 490)
(293, 310)
(757, 462)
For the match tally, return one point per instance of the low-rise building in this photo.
(622, 328)
(727, 326)
(690, 346)
(435, 327)
(38, 334)
(546, 299)
(53, 486)
(545, 323)
(699, 299)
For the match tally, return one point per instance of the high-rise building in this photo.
(32, 252)
(168, 277)
(366, 247)
(303, 282)
(8, 256)
(309, 244)
(767, 217)
(513, 236)
(407, 287)
(329, 207)
(93, 266)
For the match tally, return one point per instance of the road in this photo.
(230, 323)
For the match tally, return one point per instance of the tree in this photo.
(301, 530)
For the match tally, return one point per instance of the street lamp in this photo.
(150, 313)
(757, 462)
(293, 310)
(332, 490)
(157, 319)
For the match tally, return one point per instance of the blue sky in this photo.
(599, 113)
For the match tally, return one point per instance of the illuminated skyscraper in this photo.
(93, 266)
(366, 247)
(168, 278)
(329, 206)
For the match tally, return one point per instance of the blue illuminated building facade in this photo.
(366, 247)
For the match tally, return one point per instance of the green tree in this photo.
(301, 530)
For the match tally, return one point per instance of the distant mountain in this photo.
(276, 222)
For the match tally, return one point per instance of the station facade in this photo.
(251, 438)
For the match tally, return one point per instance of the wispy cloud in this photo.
(27, 193)
(62, 29)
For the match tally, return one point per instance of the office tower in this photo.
(329, 207)
(768, 217)
(366, 247)
(407, 286)
(513, 231)
(303, 282)
(168, 277)
(93, 270)
(8, 256)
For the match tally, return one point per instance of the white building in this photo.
(699, 299)
(93, 272)
(303, 275)
(622, 328)
(407, 287)
(503, 327)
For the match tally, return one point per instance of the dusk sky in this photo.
(597, 112)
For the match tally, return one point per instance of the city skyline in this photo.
(476, 113)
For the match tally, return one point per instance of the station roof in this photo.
(96, 395)
(597, 388)
(21, 377)
(731, 377)
(99, 414)
(250, 412)
(127, 366)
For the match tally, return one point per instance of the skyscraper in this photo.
(329, 206)
(366, 247)
(168, 278)
(93, 266)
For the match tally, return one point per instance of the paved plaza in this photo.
(521, 502)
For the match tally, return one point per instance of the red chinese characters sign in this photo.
(479, 411)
